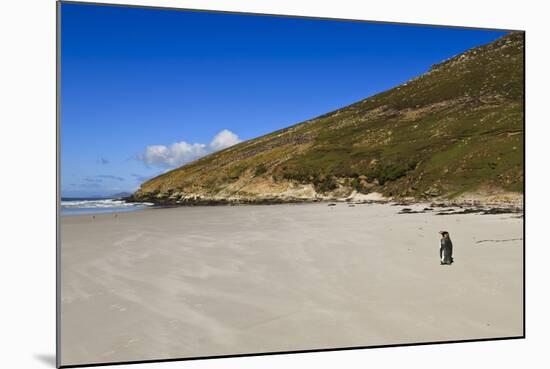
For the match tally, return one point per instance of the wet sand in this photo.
(205, 281)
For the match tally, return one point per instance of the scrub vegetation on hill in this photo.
(454, 130)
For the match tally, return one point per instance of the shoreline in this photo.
(467, 206)
(441, 207)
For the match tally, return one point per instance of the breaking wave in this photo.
(87, 206)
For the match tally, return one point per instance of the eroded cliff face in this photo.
(453, 132)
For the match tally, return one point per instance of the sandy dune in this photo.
(202, 281)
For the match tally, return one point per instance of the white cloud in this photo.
(176, 154)
(183, 152)
(223, 140)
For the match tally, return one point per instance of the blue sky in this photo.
(146, 90)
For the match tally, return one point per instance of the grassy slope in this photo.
(456, 129)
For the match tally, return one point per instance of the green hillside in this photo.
(457, 129)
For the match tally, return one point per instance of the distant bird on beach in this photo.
(445, 249)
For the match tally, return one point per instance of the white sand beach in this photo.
(204, 281)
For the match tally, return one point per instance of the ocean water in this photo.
(79, 206)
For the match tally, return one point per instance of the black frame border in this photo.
(58, 4)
